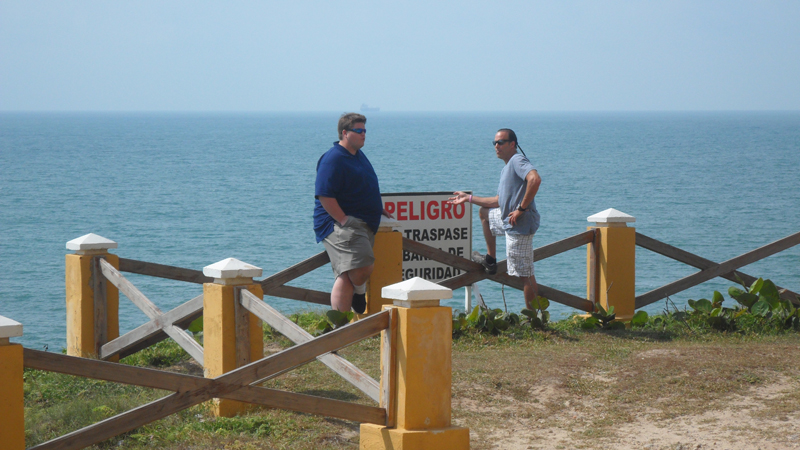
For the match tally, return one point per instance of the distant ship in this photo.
(367, 108)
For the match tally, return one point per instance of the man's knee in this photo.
(483, 213)
(360, 275)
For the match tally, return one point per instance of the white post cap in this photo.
(611, 218)
(232, 271)
(416, 293)
(389, 224)
(9, 328)
(90, 243)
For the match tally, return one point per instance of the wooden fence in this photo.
(709, 269)
(240, 384)
(170, 324)
(236, 385)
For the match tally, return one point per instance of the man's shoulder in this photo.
(332, 154)
(520, 158)
(522, 162)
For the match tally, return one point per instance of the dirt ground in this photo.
(731, 395)
(737, 427)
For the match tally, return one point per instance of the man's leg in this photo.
(342, 291)
(491, 240)
(519, 250)
(530, 290)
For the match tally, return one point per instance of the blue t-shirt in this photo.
(510, 193)
(352, 181)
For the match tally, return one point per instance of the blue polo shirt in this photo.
(352, 181)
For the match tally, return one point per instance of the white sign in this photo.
(428, 218)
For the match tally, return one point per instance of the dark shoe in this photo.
(491, 268)
(359, 303)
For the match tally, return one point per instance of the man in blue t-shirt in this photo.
(511, 212)
(347, 213)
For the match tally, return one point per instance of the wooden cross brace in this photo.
(710, 269)
(158, 321)
(153, 331)
(192, 390)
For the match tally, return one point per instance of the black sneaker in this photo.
(359, 303)
(491, 268)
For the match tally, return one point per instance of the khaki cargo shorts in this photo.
(350, 246)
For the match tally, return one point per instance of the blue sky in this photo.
(401, 56)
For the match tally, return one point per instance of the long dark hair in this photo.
(513, 137)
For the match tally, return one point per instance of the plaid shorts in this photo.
(519, 247)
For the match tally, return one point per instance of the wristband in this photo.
(470, 198)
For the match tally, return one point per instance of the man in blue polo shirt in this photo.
(347, 213)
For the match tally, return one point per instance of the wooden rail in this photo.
(163, 271)
(298, 335)
(272, 286)
(475, 272)
(702, 263)
(297, 270)
(190, 390)
(99, 289)
(714, 270)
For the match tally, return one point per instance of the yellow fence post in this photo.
(388, 270)
(92, 302)
(417, 392)
(12, 406)
(232, 336)
(611, 265)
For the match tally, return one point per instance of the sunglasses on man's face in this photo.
(358, 130)
(500, 142)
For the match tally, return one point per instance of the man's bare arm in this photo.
(332, 207)
(534, 180)
(461, 197)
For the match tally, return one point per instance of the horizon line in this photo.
(322, 111)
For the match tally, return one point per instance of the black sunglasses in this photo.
(500, 142)
(358, 130)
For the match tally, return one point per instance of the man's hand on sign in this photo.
(460, 197)
(387, 214)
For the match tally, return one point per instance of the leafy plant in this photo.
(333, 320)
(714, 314)
(602, 318)
(196, 326)
(485, 320)
(538, 317)
(639, 319)
(763, 299)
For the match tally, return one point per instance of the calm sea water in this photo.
(191, 189)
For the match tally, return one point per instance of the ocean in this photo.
(192, 189)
